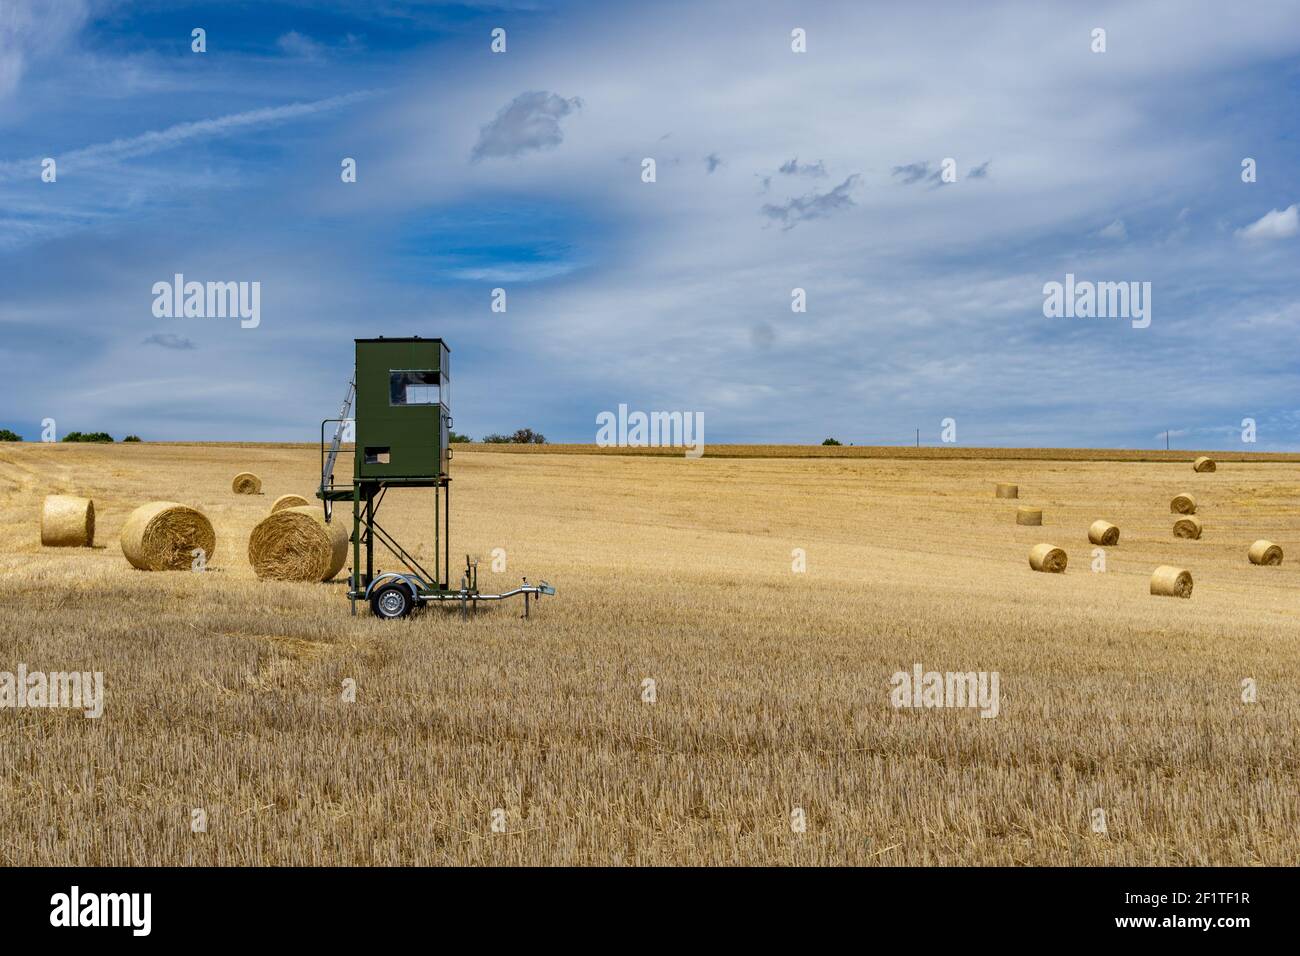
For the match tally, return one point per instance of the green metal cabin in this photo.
(403, 416)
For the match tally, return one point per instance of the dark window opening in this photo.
(414, 388)
(378, 456)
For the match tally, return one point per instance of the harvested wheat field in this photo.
(771, 688)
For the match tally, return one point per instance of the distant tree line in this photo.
(524, 436)
(103, 437)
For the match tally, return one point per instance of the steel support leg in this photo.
(370, 535)
(356, 545)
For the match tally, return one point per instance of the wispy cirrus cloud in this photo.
(155, 141)
(300, 45)
(303, 47)
(1116, 231)
(30, 30)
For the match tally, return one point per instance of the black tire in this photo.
(392, 601)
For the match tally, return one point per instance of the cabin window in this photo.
(407, 387)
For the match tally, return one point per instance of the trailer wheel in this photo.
(392, 601)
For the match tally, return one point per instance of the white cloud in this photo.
(299, 45)
(1276, 224)
(530, 121)
(1116, 230)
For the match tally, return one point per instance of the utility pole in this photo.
(918, 438)
(1166, 439)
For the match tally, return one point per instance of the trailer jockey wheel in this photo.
(392, 601)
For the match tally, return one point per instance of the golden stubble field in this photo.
(224, 693)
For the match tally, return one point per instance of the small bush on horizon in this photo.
(524, 436)
(88, 436)
(830, 441)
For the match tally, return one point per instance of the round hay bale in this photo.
(1187, 527)
(1182, 505)
(246, 483)
(1031, 516)
(288, 501)
(1204, 463)
(295, 544)
(67, 522)
(1103, 532)
(1168, 581)
(162, 536)
(1265, 552)
(1045, 557)
(1007, 491)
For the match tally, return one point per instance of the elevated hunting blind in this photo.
(402, 430)
(403, 414)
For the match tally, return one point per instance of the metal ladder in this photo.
(327, 472)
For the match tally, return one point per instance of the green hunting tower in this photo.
(403, 415)
(402, 392)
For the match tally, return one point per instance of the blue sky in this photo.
(775, 170)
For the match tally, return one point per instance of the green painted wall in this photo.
(414, 436)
